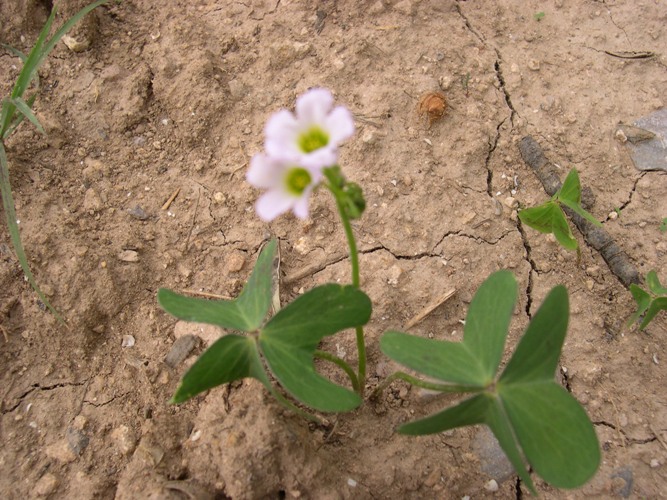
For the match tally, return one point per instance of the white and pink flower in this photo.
(298, 147)
(311, 135)
(288, 186)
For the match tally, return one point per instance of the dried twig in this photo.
(171, 199)
(207, 294)
(430, 308)
(194, 219)
(313, 268)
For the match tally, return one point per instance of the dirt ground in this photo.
(174, 95)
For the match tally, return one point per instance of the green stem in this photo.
(433, 386)
(354, 260)
(342, 364)
(291, 406)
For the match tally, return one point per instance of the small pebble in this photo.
(77, 440)
(61, 451)
(46, 485)
(138, 213)
(511, 202)
(235, 262)
(351, 483)
(124, 438)
(534, 65)
(491, 486)
(181, 349)
(613, 215)
(128, 341)
(655, 463)
(129, 256)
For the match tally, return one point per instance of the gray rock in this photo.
(492, 457)
(77, 440)
(649, 153)
(180, 350)
(624, 473)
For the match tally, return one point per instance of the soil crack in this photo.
(467, 23)
(630, 196)
(37, 387)
(432, 252)
(105, 403)
(533, 267)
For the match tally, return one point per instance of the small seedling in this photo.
(465, 81)
(663, 225)
(539, 16)
(649, 303)
(287, 343)
(534, 418)
(550, 218)
(15, 109)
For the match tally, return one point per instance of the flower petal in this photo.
(264, 171)
(273, 203)
(339, 124)
(281, 131)
(313, 106)
(319, 159)
(301, 205)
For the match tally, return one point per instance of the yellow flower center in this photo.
(312, 139)
(297, 180)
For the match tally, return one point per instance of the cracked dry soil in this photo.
(175, 98)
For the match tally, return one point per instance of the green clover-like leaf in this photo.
(649, 303)
(654, 284)
(290, 338)
(474, 361)
(534, 419)
(571, 188)
(541, 217)
(230, 358)
(550, 218)
(562, 231)
(245, 313)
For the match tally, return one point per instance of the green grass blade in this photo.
(10, 214)
(37, 55)
(25, 110)
(33, 61)
(14, 51)
(25, 76)
(19, 118)
(68, 25)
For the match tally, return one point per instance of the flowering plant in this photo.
(524, 407)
